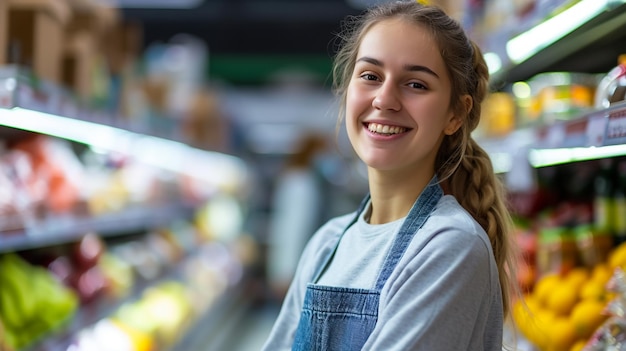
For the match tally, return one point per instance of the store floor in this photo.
(244, 330)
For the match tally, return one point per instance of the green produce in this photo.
(32, 302)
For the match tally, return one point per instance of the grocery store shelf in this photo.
(35, 106)
(65, 229)
(100, 311)
(593, 135)
(592, 47)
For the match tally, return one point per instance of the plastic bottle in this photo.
(612, 88)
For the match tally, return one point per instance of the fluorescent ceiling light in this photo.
(550, 157)
(215, 168)
(529, 43)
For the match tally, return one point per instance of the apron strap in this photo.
(416, 218)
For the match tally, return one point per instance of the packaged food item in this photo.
(594, 246)
(612, 88)
(557, 251)
(561, 95)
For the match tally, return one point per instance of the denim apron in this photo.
(341, 319)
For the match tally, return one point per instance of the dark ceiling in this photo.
(250, 26)
(248, 40)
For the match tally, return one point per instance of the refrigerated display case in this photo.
(110, 235)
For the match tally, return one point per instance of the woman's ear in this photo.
(458, 117)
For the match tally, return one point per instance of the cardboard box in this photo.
(83, 56)
(36, 34)
(78, 63)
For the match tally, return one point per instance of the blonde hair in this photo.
(461, 163)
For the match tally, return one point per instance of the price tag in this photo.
(556, 135)
(596, 130)
(616, 127)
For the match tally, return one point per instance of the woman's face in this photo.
(398, 99)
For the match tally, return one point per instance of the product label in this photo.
(596, 129)
(616, 127)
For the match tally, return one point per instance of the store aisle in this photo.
(243, 330)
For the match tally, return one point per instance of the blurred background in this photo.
(163, 163)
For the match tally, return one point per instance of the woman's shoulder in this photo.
(451, 225)
(450, 214)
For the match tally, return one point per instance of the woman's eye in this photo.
(368, 76)
(417, 85)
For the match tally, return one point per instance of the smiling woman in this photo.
(426, 261)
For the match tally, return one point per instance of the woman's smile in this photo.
(385, 129)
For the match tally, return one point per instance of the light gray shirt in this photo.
(444, 294)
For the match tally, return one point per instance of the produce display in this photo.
(32, 302)
(135, 295)
(573, 250)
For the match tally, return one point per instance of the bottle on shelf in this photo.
(612, 87)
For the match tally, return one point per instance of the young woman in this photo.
(424, 262)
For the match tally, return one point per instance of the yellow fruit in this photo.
(532, 321)
(586, 316)
(562, 299)
(594, 290)
(601, 273)
(617, 257)
(562, 334)
(579, 345)
(577, 277)
(545, 286)
(540, 327)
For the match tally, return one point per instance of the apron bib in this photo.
(342, 319)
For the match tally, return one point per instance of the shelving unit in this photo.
(592, 47)
(30, 106)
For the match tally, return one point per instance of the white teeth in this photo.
(385, 129)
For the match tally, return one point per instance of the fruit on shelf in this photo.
(119, 274)
(4, 341)
(32, 301)
(88, 249)
(564, 309)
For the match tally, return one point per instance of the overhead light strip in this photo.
(548, 32)
(551, 157)
(212, 167)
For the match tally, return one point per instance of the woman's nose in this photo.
(387, 98)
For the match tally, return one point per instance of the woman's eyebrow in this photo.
(420, 68)
(411, 68)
